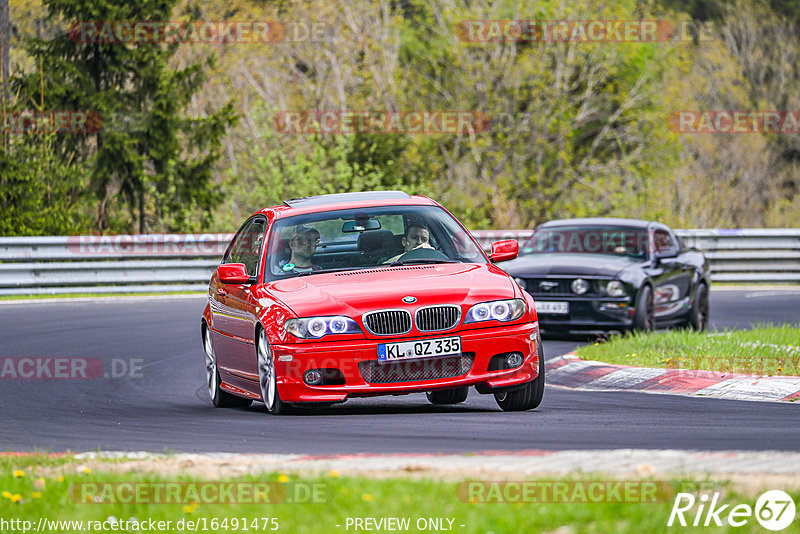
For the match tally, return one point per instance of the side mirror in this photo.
(504, 250)
(666, 253)
(233, 273)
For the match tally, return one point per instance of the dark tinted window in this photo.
(664, 243)
(247, 248)
(588, 240)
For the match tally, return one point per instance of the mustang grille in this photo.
(415, 370)
(437, 318)
(388, 322)
(551, 286)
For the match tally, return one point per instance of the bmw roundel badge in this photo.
(409, 300)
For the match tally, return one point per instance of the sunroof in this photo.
(339, 198)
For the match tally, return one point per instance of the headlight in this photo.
(497, 310)
(316, 327)
(613, 288)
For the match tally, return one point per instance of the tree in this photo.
(40, 194)
(5, 42)
(152, 170)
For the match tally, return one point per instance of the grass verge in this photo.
(764, 350)
(32, 490)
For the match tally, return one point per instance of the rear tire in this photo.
(219, 397)
(644, 318)
(527, 398)
(448, 396)
(268, 379)
(698, 315)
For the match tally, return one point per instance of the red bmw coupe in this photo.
(359, 294)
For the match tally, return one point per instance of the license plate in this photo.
(549, 306)
(406, 350)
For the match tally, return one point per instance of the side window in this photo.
(237, 239)
(664, 242)
(247, 249)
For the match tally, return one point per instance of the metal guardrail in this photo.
(184, 262)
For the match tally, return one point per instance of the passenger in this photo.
(303, 246)
(417, 236)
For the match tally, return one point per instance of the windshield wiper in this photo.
(336, 270)
(421, 260)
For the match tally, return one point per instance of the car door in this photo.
(234, 314)
(672, 283)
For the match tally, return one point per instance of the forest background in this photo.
(577, 128)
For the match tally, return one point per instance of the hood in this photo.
(353, 293)
(543, 264)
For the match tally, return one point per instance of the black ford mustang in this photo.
(612, 274)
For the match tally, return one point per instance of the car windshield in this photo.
(378, 237)
(616, 240)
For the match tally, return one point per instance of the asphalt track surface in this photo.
(167, 407)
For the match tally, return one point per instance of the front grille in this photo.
(433, 318)
(562, 287)
(415, 370)
(388, 322)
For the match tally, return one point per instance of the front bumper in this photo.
(482, 344)
(588, 313)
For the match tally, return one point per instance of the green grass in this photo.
(96, 295)
(33, 488)
(764, 350)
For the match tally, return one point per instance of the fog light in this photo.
(514, 359)
(312, 377)
(580, 286)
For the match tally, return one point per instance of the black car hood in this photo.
(544, 264)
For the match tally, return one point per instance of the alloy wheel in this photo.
(266, 372)
(211, 365)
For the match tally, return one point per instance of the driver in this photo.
(417, 236)
(303, 246)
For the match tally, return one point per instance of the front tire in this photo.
(698, 315)
(219, 398)
(530, 396)
(644, 317)
(448, 396)
(268, 379)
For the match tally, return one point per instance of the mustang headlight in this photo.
(316, 327)
(613, 288)
(498, 310)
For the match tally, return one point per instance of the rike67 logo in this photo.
(774, 510)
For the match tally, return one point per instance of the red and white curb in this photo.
(572, 372)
